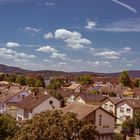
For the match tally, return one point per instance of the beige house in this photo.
(127, 109)
(110, 103)
(10, 95)
(34, 104)
(74, 87)
(86, 98)
(103, 120)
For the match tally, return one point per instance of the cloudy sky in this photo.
(70, 35)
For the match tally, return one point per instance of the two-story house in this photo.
(103, 120)
(36, 103)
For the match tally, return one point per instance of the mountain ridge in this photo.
(11, 69)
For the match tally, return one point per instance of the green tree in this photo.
(2, 77)
(40, 81)
(128, 125)
(118, 136)
(54, 125)
(55, 84)
(8, 127)
(31, 82)
(88, 129)
(137, 83)
(20, 79)
(12, 78)
(85, 80)
(125, 79)
(136, 120)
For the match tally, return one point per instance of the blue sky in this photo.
(70, 35)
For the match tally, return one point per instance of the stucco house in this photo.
(127, 109)
(10, 96)
(74, 87)
(103, 120)
(34, 104)
(110, 104)
(86, 98)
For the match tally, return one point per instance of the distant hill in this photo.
(45, 73)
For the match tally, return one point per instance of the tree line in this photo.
(32, 81)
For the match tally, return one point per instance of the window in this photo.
(106, 106)
(23, 96)
(100, 120)
(128, 110)
(50, 102)
(111, 107)
(121, 118)
(18, 96)
(121, 110)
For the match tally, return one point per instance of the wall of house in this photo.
(104, 122)
(20, 113)
(80, 100)
(123, 110)
(45, 106)
(109, 106)
(77, 89)
(16, 99)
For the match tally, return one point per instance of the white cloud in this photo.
(47, 60)
(90, 24)
(127, 48)
(129, 65)
(11, 54)
(50, 3)
(12, 45)
(48, 35)
(126, 6)
(32, 29)
(129, 25)
(73, 39)
(109, 54)
(46, 49)
(58, 55)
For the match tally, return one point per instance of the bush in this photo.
(118, 136)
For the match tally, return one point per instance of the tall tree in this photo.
(85, 80)
(54, 125)
(8, 127)
(125, 79)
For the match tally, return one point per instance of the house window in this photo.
(111, 107)
(106, 106)
(100, 120)
(121, 118)
(18, 96)
(51, 102)
(128, 110)
(23, 96)
(121, 110)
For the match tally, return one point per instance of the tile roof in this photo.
(115, 100)
(134, 103)
(9, 92)
(82, 110)
(89, 97)
(30, 102)
(74, 86)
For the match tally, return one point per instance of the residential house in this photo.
(109, 104)
(36, 103)
(86, 98)
(103, 120)
(74, 87)
(10, 96)
(127, 109)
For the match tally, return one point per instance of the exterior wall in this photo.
(71, 99)
(77, 89)
(80, 100)
(105, 122)
(15, 99)
(20, 113)
(109, 106)
(46, 106)
(41, 107)
(122, 112)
